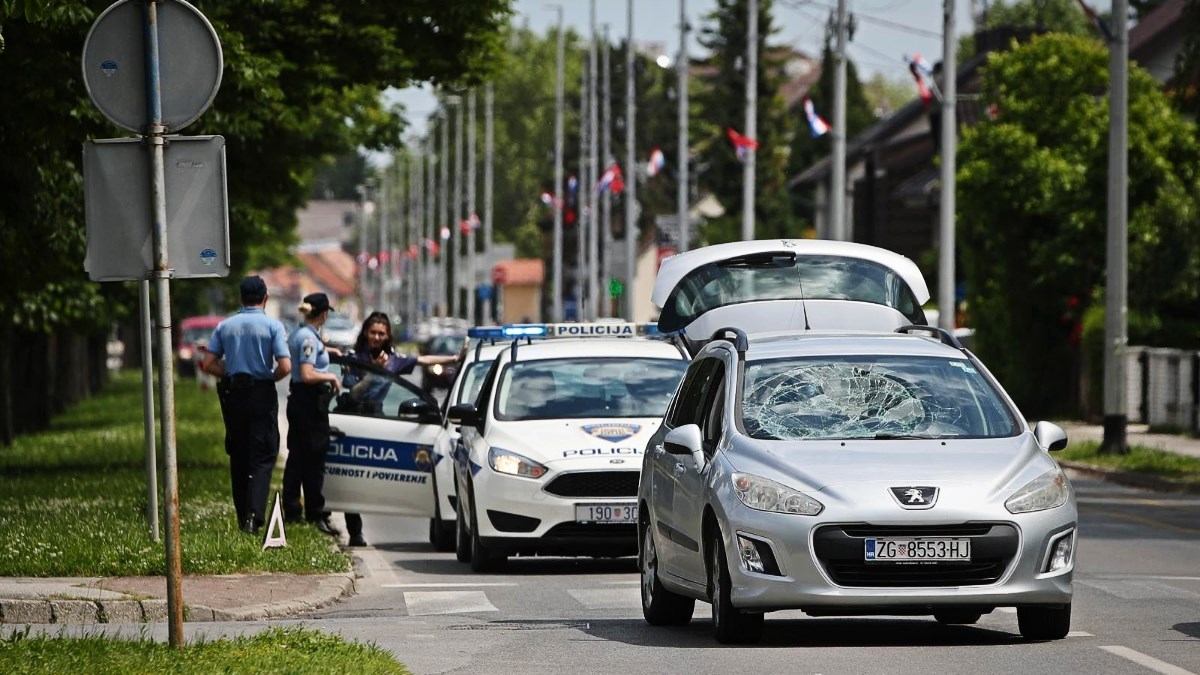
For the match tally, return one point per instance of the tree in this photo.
(722, 97)
(302, 82)
(1032, 211)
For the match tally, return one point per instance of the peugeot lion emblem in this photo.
(915, 496)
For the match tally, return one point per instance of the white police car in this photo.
(552, 448)
(464, 389)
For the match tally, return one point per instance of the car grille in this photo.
(839, 549)
(595, 484)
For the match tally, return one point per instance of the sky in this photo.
(886, 30)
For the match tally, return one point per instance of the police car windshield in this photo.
(587, 387)
(871, 397)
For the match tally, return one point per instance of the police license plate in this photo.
(933, 549)
(606, 513)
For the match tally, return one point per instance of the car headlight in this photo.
(767, 495)
(436, 369)
(505, 461)
(1047, 491)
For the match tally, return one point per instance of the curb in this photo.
(1133, 478)
(331, 588)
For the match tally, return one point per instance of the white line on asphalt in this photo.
(1007, 610)
(424, 603)
(1146, 660)
(378, 567)
(1080, 633)
(433, 585)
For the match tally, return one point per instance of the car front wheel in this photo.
(730, 625)
(483, 557)
(1044, 623)
(462, 538)
(660, 606)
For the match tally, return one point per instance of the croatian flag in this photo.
(741, 144)
(656, 163)
(611, 180)
(819, 126)
(547, 198)
(922, 74)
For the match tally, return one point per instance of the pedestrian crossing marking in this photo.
(424, 603)
(608, 598)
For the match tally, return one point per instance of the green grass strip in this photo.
(73, 501)
(278, 650)
(1141, 459)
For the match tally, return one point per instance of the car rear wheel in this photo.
(1044, 623)
(462, 538)
(957, 616)
(483, 557)
(660, 607)
(730, 625)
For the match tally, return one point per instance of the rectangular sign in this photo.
(116, 185)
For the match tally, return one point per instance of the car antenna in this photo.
(803, 304)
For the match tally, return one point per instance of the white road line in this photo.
(608, 598)
(1079, 633)
(377, 566)
(436, 585)
(1146, 660)
(1007, 610)
(423, 603)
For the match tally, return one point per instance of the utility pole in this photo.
(681, 206)
(748, 168)
(946, 292)
(443, 212)
(472, 282)
(413, 264)
(605, 305)
(488, 140)
(581, 202)
(556, 311)
(631, 228)
(1116, 288)
(363, 256)
(594, 299)
(430, 212)
(837, 181)
(382, 244)
(455, 240)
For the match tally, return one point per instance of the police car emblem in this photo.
(422, 459)
(613, 433)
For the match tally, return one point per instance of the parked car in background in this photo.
(193, 330)
(440, 376)
(339, 332)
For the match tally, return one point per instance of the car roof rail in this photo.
(740, 342)
(947, 338)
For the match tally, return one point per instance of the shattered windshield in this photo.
(778, 277)
(884, 397)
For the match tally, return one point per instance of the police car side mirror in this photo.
(684, 440)
(463, 414)
(1050, 436)
(416, 410)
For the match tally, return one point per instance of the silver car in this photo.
(839, 472)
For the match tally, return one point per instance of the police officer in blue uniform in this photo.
(312, 389)
(255, 353)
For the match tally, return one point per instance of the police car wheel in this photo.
(441, 532)
(483, 558)
(462, 539)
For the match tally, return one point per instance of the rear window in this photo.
(778, 277)
(587, 387)
(852, 397)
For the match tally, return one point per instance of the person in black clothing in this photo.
(255, 356)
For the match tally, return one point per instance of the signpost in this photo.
(153, 93)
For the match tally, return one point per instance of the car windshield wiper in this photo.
(897, 437)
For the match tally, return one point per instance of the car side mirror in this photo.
(416, 410)
(684, 440)
(463, 414)
(1050, 436)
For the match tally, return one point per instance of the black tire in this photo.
(483, 558)
(952, 617)
(660, 607)
(1044, 623)
(730, 625)
(462, 539)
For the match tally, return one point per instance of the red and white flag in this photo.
(819, 126)
(611, 180)
(742, 145)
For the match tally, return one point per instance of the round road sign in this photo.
(114, 64)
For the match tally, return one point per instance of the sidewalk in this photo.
(1136, 434)
(235, 597)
